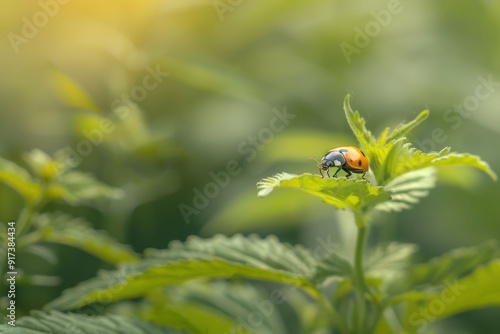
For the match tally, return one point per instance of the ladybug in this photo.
(348, 158)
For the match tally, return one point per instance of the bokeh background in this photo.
(232, 67)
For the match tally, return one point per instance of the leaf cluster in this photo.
(215, 285)
(53, 180)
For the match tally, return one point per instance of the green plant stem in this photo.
(336, 319)
(22, 224)
(24, 221)
(359, 277)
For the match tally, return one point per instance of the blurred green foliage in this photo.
(227, 75)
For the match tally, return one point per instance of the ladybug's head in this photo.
(332, 159)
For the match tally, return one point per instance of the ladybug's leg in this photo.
(348, 172)
(338, 170)
(323, 172)
(363, 177)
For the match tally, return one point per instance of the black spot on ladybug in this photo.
(359, 163)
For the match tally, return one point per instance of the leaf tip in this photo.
(492, 174)
(423, 115)
(347, 104)
(266, 186)
(264, 192)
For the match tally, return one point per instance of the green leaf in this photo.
(217, 307)
(357, 124)
(402, 130)
(470, 160)
(219, 257)
(19, 180)
(396, 158)
(412, 298)
(40, 251)
(71, 186)
(166, 313)
(408, 188)
(399, 157)
(76, 187)
(332, 266)
(76, 232)
(480, 289)
(409, 159)
(450, 266)
(39, 280)
(389, 257)
(312, 319)
(111, 287)
(340, 192)
(427, 283)
(61, 323)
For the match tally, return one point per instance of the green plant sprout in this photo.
(53, 181)
(211, 285)
(402, 175)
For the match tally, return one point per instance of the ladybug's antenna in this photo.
(319, 163)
